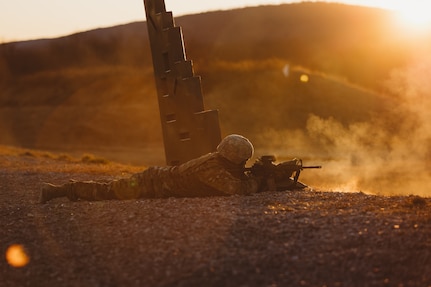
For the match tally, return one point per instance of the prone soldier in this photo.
(222, 172)
(218, 173)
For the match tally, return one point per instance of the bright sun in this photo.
(415, 16)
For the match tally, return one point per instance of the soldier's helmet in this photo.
(235, 148)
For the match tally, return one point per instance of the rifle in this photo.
(282, 176)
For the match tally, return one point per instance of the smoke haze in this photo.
(388, 155)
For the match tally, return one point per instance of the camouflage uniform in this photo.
(217, 173)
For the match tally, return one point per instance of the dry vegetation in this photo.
(14, 158)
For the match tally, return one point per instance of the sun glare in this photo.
(415, 17)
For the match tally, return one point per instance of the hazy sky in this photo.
(24, 19)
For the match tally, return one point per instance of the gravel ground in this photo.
(300, 238)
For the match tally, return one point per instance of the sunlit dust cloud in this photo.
(16, 256)
(389, 155)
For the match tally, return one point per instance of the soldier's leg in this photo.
(155, 182)
(139, 185)
(127, 188)
(87, 190)
(136, 186)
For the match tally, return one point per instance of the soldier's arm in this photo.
(226, 183)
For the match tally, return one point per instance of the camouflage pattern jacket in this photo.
(208, 175)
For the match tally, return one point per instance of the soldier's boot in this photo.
(51, 191)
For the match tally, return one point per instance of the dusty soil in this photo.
(300, 238)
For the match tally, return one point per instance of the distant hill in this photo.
(332, 38)
(95, 90)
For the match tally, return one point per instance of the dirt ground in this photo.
(300, 238)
